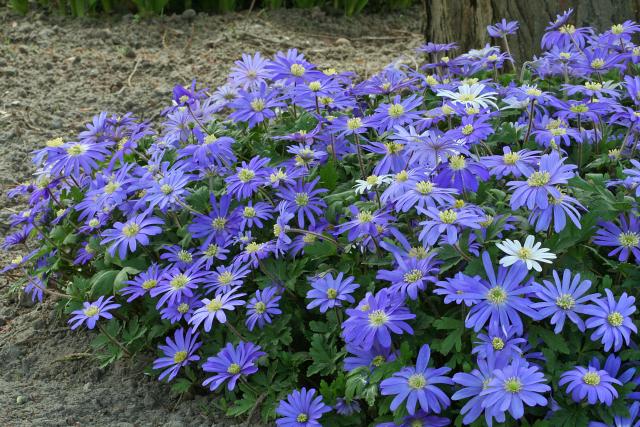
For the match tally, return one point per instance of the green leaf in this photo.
(550, 339)
(324, 356)
(102, 282)
(328, 176)
(242, 406)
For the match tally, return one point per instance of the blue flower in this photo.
(232, 363)
(262, 306)
(612, 320)
(473, 383)
(375, 318)
(127, 236)
(624, 238)
(302, 408)
(411, 275)
(541, 184)
(328, 292)
(596, 385)
(563, 298)
(178, 352)
(214, 309)
(513, 387)
(417, 385)
(502, 298)
(91, 312)
(249, 178)
(255, 106)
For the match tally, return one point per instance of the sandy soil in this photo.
(55, 73)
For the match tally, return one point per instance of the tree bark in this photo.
(465, 21)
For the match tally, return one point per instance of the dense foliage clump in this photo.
(457, 243)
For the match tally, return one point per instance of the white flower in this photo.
(471, 96)
(531, 253)
(364, 185)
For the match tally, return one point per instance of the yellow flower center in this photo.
(365, 216)
(424, 187)
(457, 163)
(511, 158)
(354, 123)
(91, 311)
(260, 307)
(253, 247)
(591, 378)
(233, 369)
(149, 284)
(246, 175)
(417, 381)
(593, 86)
(315, 86)
(396, 110)
(297, 70)
(597, 63)
(183, 308)
(332, 293)
(617, 29)
(629, 239)
(302, 199)
(219, 223)
(534, 91)
(378, 361)
(565, 302)
(179, 282)
(225, 278)
(378, 318)
(538, 179)
(214, 305)
(467, 129)
(513, 385)
(412, 276)
(210, 139)
(568, 29)
(131, 229)
(180, 356)
(77, 150)
(448, 217)
(55, 142)
(579, 108)
(302, 417)
(249, 212)
(258, 105)
(497, 343)
(497, 295)
(615, 319)
(166, 189)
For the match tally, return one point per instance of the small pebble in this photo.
(21, 400)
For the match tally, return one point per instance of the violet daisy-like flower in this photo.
(254, 214)
(557, 212)
(563, 298)
(75, 158)
(169, 191)
(411, 275)
(143, 282)
(182, 309)
(248, 178)
(375, 318)
(125, 237)
(397, 113)
(178, 353)
(393, 153)
(596, 385)
(516, 163)
(473, 383)
(541, 184)
(232, 363)
(499, 345)
(364, 223)
(515, 386)
(502, 298)
(302, 408)
(624, 238)
(262, 306)
(218, 225)
(91, 312)
(502, 28)
(227, 277)
(448, 222)
(417, 385)
(422, 192)
(328, 292)
(214, 309)
(612, 320)
(461, 173)
(372, 358)
(176, 284)
(255, 106)
(250, 72)
(304, 200)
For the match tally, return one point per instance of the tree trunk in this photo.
(465, 21)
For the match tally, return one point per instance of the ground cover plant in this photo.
(448, 243)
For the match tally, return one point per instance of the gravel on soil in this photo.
(55, 74)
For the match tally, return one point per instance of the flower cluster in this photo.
(454, 243)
